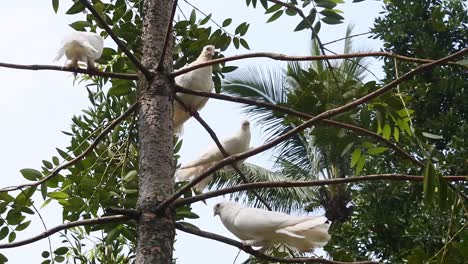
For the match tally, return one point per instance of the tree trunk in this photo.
(155, 128)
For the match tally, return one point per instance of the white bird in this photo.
(234, 145)
(198, 80)
(81, 46)
(261, 228)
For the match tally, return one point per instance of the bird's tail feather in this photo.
(189, 173)
(60, 53)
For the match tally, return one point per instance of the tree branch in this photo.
(283, 57)
(36, 67)
(308, 123)
(91, 147)
(287, 184)
(167, 37)
(119, 43)
(220, 147)
(257, 254)
(304, 116)
(100, 220)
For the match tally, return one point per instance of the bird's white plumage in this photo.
(199, 80)
(236, 144)
(263, 228)
(81, 46)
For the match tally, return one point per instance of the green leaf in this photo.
(432, 136)
(45, 254)
(325, 4)
(236, 42)
(61, 251)
(193, 17)
(331, 20)
(227, 69)
(275, 16)
(3, 259)
(59, 258)
(205, 20)
(376, 150)
(227, 22)
(347, 148)
(360, 164)
(244, 43)
(396, 134)
(44, 191)
(264, 3)
(387, 131)
(305, 23)
(3, 232)
(355, 157)
(130, 176)
(22, 226)
(31, 174)
(76, 8)
(47, 164)
(55, 160)
(11, 237)
(80, 25)
(58, 195)
(186, 214)
(273, 8)
(120, 90)
(429, 182)
(55, 5)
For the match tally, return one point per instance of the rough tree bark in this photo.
(156, 169)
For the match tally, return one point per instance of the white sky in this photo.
(36, 105)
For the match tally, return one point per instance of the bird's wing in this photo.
(252, 220)
(94, 43)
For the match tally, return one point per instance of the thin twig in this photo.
(288, 184)
(258, 254)
(167, 38)
(302, 115)
(283, 57)
(100, 220)
(212, 134)
(348, 37)
(116, 39)
(91, 72)
(309, 24)
(308, 123)
(91, 147)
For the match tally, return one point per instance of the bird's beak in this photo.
(215, 213)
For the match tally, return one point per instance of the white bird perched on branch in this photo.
(261, 228)
(234, 145)
(198, 80)
(81, 46)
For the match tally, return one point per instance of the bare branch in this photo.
(119, 43)
(257, 254)
(304, 116)
(210, 131)
(308, 123)
(90, 72)
(91, 147)
(100, 220)
(283, 57)
(287, 184)
(167, 38)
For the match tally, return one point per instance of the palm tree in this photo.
(317, 153)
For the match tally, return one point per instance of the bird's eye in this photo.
(218, 205)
